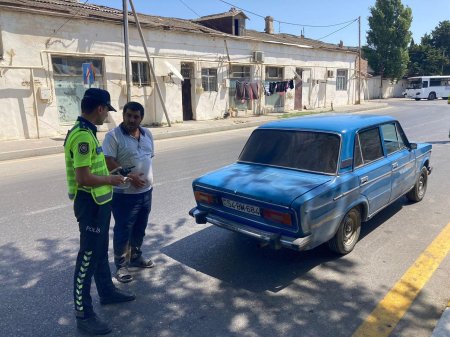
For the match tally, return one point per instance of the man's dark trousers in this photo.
(131, 212)
(92, 259)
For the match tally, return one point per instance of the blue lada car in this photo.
(305, 181)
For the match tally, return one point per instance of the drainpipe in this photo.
(34, 102)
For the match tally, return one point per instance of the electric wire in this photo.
(323, 37)
(81, 7)
(189, 8)
(290, 23)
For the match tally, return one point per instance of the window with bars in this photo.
(341, 79)
(240, 72)
(274, 73)
(209, 79)
(140, 74)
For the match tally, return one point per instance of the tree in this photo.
(432, 55)
(440, 36)
(388, 38)
(425, 60)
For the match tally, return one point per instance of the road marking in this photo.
(49, 209)
(384, 318)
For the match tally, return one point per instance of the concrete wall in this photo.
(387, 89)
(30, 41)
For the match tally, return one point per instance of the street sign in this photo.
(88, 73)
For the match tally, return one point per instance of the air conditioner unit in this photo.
(330, 73)
(258, 56)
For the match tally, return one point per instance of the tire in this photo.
(348, 232)
(420, 187)
(431, 96)
(417, 99)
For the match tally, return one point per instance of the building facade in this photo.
(52, 50)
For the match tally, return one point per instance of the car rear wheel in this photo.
(431, 96)
(347, 234)
(418, 191)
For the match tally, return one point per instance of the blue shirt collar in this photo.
(84, 123)
(125, 131)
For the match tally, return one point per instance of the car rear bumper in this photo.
(273, 239)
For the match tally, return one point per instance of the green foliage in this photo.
(432, 56)
(426, 60)
(388, 38)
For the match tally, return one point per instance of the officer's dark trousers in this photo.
(131, 212)
(92, 259)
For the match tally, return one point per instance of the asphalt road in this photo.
(211, 282)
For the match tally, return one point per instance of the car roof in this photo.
(340, 123)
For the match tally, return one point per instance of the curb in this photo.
(49, 150)
(20, 154)
(44, 151)
(183, 133)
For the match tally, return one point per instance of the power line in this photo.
(81, 7)
(290, 23)
(337, 30)
(189, 8)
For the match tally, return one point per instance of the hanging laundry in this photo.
(291, 84)
(266, 89)
(247, 91)
(239, 91)
(255, 89)
(272, 87)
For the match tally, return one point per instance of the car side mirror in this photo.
(412, 146)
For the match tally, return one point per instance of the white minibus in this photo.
(429, 87)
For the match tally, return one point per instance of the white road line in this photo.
(49, 209)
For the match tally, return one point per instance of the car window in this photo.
(303, 150)
(391, 140)
(370, 143)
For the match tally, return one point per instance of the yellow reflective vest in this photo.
(81, 149)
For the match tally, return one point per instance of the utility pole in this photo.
(152, 71)
(127, 53)
(358, 101)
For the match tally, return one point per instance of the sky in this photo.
(302, 13)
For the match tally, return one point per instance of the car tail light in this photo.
(206, 198)
(279, 217)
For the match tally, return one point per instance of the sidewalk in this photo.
(25, 148)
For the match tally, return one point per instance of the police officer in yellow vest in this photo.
(90, 187)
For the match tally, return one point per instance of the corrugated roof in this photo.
(294, 39)
(83, 10)
(88, 11)
(232, 12)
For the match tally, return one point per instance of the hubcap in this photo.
(421, 188)
(349, 230)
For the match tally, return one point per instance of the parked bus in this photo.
(429, 87)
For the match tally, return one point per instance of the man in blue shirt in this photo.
(129, 149)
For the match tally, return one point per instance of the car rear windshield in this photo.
(302, 150)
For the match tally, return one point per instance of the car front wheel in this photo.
(347, 234)
(418, 191)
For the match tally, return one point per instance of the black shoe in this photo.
(117, 296)
(93, 325)
(140, 262)
(123, 275)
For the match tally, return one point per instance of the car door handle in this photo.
(364, 180)
(394, 165)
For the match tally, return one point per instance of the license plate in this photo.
(241, 207)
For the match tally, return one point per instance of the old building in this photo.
(52, 50)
